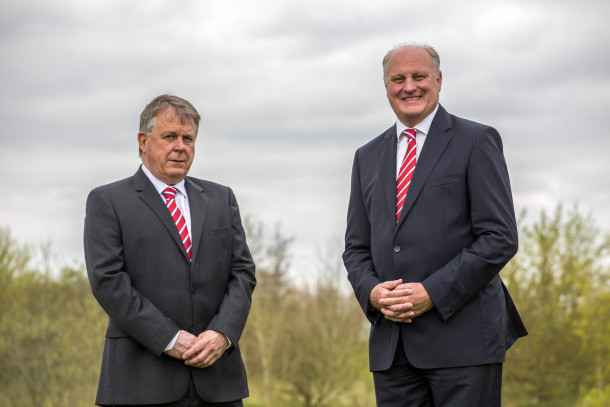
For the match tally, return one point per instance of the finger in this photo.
(397, 310)
(399, 317)
(211, 358)
(189, 353)
(197, 358)
(205, 358)
(396, 319)
(405, 286)
(397, 313)
(194, 350)
(397, 293)
(402, 316)
(390, 285)
(405, 299)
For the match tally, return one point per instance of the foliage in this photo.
(306, 345)
(597, 398)
(559, 281)
(51, 333)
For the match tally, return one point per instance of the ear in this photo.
(440, 80)
(142, 141)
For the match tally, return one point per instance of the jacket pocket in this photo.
(446, 179)
(220, 233)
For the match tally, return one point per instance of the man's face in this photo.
(169, 149)
(411, 84)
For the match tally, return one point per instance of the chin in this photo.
(177, 176)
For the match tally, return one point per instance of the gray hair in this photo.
(436, 60)
(182, 107)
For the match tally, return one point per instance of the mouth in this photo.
(411, 99)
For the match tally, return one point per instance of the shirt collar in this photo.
(421, 127)
(160, 185)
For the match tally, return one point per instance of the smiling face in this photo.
(169, 149)
(412, 84)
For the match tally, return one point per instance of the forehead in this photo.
(168, 119)
(410, 59)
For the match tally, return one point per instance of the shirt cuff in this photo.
(228, 340)
(172, 343)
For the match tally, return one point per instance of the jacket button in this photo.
(396, 249)
(194, 290)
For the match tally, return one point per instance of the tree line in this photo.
(305, 343)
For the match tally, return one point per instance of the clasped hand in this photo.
(199, 351)
(400, 302)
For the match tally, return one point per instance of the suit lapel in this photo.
(387, 162)
(436, 141)
(198, 203)
(151, 197)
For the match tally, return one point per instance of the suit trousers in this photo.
(404, 385)
(191, 399)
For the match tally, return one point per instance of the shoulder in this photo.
(460, 123)
(115, 187)
(378, 141)
(211, 189)
(445, 121)
(207, 185)
(467, 131)
(474, 134)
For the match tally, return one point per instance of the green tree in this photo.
(303, 345)
(265, 356)
(594, 330)
(562, 262)
(326, 338)
(51, 333)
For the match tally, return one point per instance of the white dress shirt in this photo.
(182, 199)
(182, 202)
(421, 131)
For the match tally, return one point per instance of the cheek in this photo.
(394, 90)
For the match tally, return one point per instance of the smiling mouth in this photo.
(411, 99)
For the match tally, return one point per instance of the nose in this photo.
(179, 144)
(409, 85)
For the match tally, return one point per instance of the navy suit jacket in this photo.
(141, 275)
(456, 231)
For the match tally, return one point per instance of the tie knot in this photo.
(409, 133)
(170, 193)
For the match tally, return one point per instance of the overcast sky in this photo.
(288, 90)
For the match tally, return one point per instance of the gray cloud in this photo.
(288, 91)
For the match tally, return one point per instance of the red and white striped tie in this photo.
(406, 171)
(170, 200)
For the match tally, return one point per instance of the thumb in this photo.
(390, 285)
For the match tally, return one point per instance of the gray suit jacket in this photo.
(141, 275)
(456, 232)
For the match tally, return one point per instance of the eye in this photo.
(187, 140)
(398, 79)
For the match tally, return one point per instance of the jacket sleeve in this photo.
(357, 256)
(493, 226)
(233, 312)
(110, 282)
